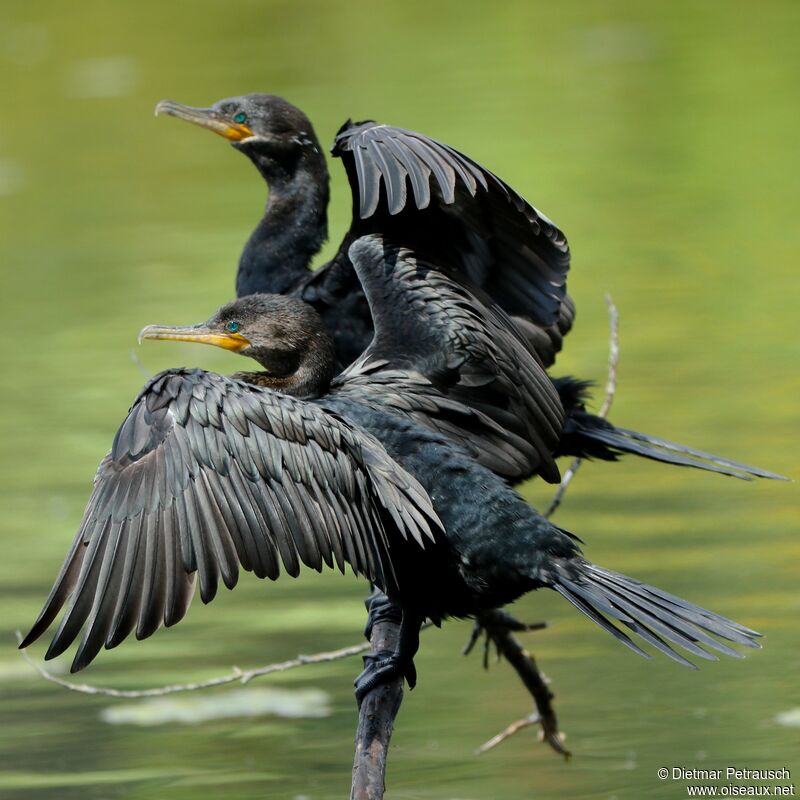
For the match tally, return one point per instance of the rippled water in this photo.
(662, 137)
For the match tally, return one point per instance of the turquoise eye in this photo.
(232, 327)
(240, 118)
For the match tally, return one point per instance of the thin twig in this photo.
(514, 727)
(611, 390)
(613, 357)
(502, 622)
(235, 676)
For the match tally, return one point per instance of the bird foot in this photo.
(382, 668)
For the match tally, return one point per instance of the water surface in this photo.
(661, 137)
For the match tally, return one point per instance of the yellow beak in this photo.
(206, 118)
(196, 333)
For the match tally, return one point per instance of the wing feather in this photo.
(154, 584)
(462, 214)
(187, 492)
(446, 356)
(129, 597)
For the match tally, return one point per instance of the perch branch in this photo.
(377, 713)
(611, 390)
(514, 727)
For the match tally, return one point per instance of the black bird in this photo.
(440, 204)
(293, 464)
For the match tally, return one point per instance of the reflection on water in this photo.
(660, 138)
(191, 709)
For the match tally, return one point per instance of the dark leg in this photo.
(383, 666)
(380, 609)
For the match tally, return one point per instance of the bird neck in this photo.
(294, 226)
(305, 376)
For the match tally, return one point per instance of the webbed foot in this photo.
(382, 668)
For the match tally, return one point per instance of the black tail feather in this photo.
(724, 463)
(656, 616)
(708, 620)
(589, 436)
(590, 612)
(644, 605)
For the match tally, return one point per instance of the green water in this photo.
(661, 136)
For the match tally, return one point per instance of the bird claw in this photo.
(478, 630)
(382, 668)
(485, 624)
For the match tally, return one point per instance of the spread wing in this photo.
(207, 473)
(445, 355)
(439, 203)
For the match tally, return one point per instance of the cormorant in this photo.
(457, 215)
(294, 464)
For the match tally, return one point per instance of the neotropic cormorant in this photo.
(294, 464)
(428, 197)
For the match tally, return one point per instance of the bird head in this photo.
(283, 334)
(265, 127)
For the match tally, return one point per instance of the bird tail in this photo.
(657, 617)
(588, 436)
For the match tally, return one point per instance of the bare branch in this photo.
(235, 676)
(498, 625)
(611, 390)
(377, 713)
(514, 727)
(613, 357)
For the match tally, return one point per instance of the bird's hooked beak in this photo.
(206, 118)
(202, 334)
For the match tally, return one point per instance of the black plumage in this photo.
(291, 464)
(462, 216)
(454, 215)
(432, 328)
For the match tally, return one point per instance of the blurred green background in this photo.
(662, 137)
